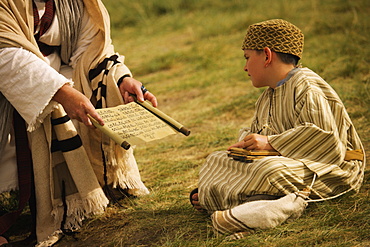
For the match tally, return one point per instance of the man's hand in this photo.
(77, 105)
(129, 86)
(253, 142)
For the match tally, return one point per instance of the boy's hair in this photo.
(288, 58)
(278, 35)
(285, 57)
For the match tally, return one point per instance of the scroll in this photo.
(136, 123)
(249, 156)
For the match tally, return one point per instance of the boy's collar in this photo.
(290, 74)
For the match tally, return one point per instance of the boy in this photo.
(301, 117)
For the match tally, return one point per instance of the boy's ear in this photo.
(268, 54)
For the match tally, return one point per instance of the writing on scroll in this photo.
(134, 123)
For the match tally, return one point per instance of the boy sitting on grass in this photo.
(301, 117)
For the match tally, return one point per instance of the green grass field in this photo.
(188, 53)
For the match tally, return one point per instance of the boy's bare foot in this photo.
(3, 241)
(194, 200)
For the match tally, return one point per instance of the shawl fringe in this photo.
(123, 171)
(79, 209)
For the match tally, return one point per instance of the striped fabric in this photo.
(73, 178)
(225, 222)
(67, 190)
(98, 77)
(308, 125)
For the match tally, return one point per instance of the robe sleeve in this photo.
(319, 137)
(29, 84)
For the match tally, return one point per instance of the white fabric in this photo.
(266, 214)
(262, 214)
(28, 82)
(8, 165)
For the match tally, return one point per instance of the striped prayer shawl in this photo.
(67, 190)
(67, 177)
(308, 125)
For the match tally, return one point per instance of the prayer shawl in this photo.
(67, 190)
(308, 125)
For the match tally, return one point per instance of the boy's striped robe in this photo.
(307, 123)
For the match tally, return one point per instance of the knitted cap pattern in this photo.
(278, 35)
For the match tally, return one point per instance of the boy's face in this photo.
(255, 63)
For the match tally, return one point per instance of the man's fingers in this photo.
(139, 94)
(126, 96)
(97, 118)
(149, 96)
(94, 117)
(86, 121)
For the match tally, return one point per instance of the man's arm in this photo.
(31, 85)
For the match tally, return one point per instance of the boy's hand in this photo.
(237, 145)
(254, 142)
(257, 142)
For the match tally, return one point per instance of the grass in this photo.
(188, 53)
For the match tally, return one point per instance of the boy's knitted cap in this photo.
(278, 35)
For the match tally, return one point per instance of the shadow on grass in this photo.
(343, 221)
(142, 228)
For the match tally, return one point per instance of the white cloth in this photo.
(28, 82)
(263, 214)
(266, 214)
